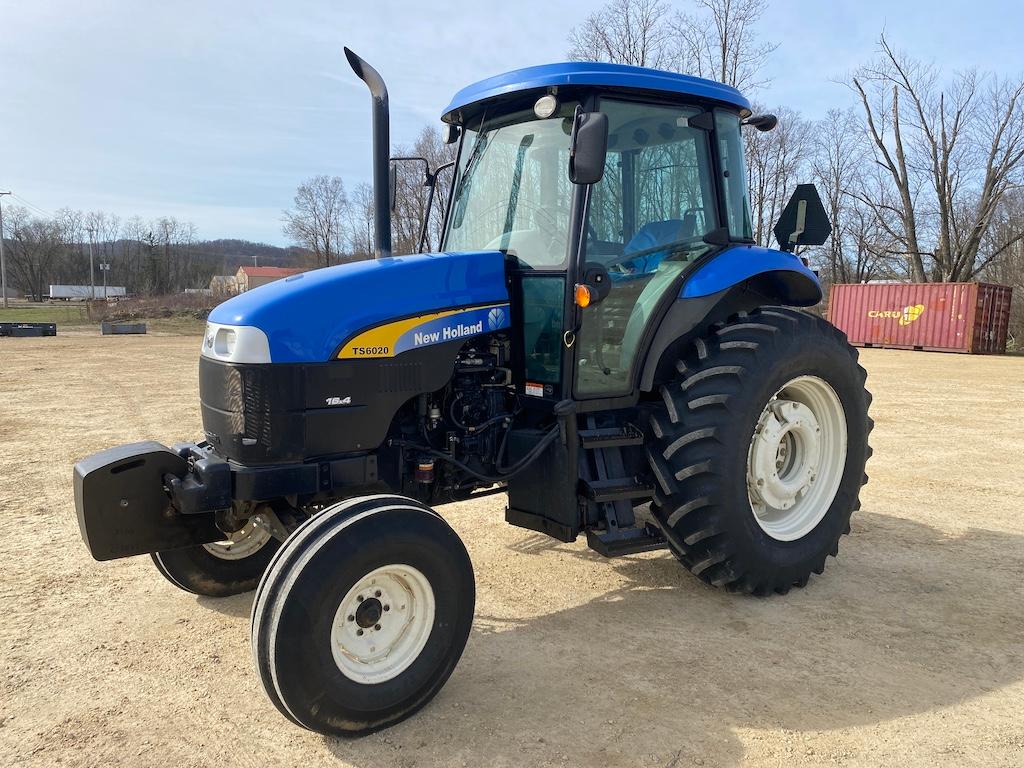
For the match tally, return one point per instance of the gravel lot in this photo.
(908, 651)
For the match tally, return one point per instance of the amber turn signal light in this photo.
(583, 295)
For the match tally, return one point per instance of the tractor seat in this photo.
(651, 235)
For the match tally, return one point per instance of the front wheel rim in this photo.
(246, 541)
(382, 624)
(796, 458)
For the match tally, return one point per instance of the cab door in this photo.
(646, 222)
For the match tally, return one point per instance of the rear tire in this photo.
(759, 451)
(362, 615)
(220, 569)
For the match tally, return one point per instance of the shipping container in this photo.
(942, 317)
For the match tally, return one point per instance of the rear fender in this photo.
(783, 277)
(699, 307)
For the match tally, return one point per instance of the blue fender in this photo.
(784, 273)
(307, 317)
(781, 278)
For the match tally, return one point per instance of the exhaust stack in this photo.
(381, 152)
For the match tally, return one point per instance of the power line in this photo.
(27, 204)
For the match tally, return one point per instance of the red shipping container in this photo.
(944, 317)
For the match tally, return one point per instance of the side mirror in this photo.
(803, 220)
(589, 147)
(763, 123)
(595, 285)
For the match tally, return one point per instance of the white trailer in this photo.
(85, 292)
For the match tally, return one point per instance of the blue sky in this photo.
(215, 111)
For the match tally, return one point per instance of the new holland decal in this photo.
(393, 338)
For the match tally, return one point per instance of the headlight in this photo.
(224, 342)
(545, 106)
(236, 344)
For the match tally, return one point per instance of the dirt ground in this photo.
(909, 651)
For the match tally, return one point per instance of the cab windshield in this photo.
(512, 190)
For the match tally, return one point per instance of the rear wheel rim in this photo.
(246, 541)
(796, 458)
(382, 624)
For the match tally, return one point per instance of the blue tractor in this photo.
(600, 338)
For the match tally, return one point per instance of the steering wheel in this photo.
(546, 221)
(669, 246)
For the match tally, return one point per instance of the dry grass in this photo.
(908, 651)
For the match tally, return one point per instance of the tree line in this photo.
(155, 257)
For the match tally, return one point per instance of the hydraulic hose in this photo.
(505, 473)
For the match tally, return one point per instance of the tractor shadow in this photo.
(664, 671)
(235, 606)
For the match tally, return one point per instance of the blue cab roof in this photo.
(589, 73)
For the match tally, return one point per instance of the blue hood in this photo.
(307, 316)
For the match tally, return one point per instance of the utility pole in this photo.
(3, 262)
(92, 274)
(104, 268)
(254, 262)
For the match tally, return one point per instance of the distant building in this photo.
(248, 278)
(223, 285)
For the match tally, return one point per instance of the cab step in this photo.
(628, 541)
(610, 437)
(615, 489)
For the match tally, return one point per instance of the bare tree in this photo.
(1008, 269)
(720, 42)
(360, 223)
(38, 244)
(317, 222)
(775, 162)
(952, 153)
(413, 195)
(633, 32)
(840, 161)
(135, 231)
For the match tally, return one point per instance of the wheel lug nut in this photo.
(377, 593)
(359, 632)
(387, 607)
(359, 598)
(351, 618)
(377, 627)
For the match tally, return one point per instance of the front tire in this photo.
(222, 568)
(363, 615)
(759, 451)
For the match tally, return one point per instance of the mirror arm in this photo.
(431, 183)
(415, 158)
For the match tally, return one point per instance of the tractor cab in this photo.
(605, 186)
